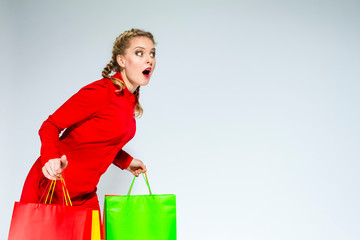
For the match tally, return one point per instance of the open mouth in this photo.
(146, 72)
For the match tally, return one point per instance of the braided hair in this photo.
(121, 44)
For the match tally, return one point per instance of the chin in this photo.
(145, 82)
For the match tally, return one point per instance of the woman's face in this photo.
(138, 63)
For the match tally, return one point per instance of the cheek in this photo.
(133, 65)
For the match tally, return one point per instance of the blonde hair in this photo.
(121, 44)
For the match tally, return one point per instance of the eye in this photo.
(152, 54)
(139, 53)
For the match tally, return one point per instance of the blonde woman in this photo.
(97, 122)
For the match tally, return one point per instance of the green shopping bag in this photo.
(150, 217)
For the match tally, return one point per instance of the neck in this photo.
(128, 84)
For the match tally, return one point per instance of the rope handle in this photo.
(65, 191)
(50, 192)
(146, 181)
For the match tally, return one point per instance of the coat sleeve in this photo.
(83, 105)
(122, 159)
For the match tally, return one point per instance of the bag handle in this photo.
(50, 192)
(146, 180)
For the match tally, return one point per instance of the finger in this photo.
(143, 167)
(51, 174)
(46, 174)
(57, 167)
(54, 168)
(48, 169)
(63, 161)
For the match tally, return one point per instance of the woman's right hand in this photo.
(54, 167)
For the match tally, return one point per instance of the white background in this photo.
(251, 118)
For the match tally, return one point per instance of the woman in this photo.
(98, 121)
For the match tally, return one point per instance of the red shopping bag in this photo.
(42, 221)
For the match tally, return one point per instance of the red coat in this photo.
(98, 122)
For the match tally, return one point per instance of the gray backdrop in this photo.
(251, 118)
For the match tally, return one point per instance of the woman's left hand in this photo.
(136, 167)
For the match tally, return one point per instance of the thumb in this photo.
(63, 161)
(143, 167)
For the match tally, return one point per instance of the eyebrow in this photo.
(143, 48)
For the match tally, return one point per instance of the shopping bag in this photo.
(34, 221)
(150, 217)
(43, 221)
(95, 225)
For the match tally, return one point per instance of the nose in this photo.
(149, 60)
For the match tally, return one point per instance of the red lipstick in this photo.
(147, 72)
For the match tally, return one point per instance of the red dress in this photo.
(98, 122)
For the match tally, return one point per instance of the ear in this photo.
(120, 60)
